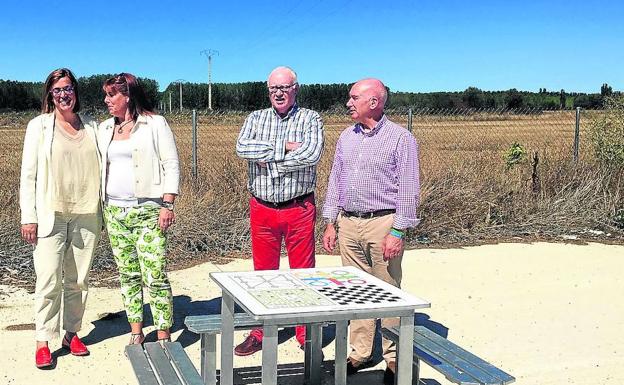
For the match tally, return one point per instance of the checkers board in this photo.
(299, 291)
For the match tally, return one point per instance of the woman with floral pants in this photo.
(139, 249)
(140, 183)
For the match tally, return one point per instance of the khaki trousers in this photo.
(360, 246)
(62, 262)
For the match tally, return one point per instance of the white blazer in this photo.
(36, 184)
(154, 156)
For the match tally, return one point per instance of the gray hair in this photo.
(287, 69)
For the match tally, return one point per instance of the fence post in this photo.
(194, 164)
(409, 120)
(577, 130)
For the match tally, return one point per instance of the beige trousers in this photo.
(360, 246)
(62, 262)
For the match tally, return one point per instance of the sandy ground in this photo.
(546, 313)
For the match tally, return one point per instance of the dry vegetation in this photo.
(469, 195)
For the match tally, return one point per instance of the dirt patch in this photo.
(20, 327)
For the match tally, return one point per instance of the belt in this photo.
(369, 215)
(281, 205)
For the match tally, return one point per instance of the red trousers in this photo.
(295, 224)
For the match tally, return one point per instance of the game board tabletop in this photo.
(269, 293)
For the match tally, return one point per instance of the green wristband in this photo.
(396, 233)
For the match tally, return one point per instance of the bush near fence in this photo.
(470, 193)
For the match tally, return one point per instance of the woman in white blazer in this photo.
(60, 211)
(140, 177)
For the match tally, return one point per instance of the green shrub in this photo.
(514, 155)
(607, 133)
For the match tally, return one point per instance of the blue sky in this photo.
(417, 46)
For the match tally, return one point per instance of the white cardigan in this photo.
(36, 185)
(154, 156)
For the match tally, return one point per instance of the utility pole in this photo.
(169, 101)
(180, 84)
(208, 53)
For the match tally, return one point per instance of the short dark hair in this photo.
(47, 102)
(128, 85)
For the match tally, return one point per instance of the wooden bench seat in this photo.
(167, 364)
(455, 363)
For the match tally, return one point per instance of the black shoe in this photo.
(354, 366)
(248, 347)
(388, 377)
(302, 347)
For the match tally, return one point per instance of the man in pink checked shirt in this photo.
(371, 200)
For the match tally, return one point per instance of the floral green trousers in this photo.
(138, 246)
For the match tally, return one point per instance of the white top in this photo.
(300, 291)
(120, 180)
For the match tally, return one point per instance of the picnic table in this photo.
(312, 297)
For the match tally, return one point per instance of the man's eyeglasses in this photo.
(283, 87)
(69, 90)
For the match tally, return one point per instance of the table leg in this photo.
(209, 358)
(227, 340)
(269, 355)
(316, 353)
(340, 361)
(405, 350)
(307, 348)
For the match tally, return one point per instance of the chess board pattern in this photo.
(359, 294)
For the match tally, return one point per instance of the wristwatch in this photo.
(168, 205)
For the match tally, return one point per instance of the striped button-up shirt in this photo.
(375, 170)
(274, 174)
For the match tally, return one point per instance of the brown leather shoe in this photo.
(389, 373)
(248, 347)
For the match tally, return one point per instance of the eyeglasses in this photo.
(69, 90)
(283, 87)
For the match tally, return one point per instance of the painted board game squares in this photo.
(363, 294)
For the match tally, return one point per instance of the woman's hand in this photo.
(29, 233)
(166, 219)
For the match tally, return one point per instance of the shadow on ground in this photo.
(293, 374)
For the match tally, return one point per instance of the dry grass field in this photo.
(469, 195)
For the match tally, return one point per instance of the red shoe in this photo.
(43, 357)
(75, 346)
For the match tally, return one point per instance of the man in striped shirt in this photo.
(372, 196)
(282, 146)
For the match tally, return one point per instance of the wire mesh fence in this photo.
(447, 138)
(464, 159)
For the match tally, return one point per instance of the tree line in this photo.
(22, 96)
(247, 96)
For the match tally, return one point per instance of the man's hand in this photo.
(391, 247)
(29, 233)
(329, 238)
(292, 146)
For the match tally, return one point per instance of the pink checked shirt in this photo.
(374, 171)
